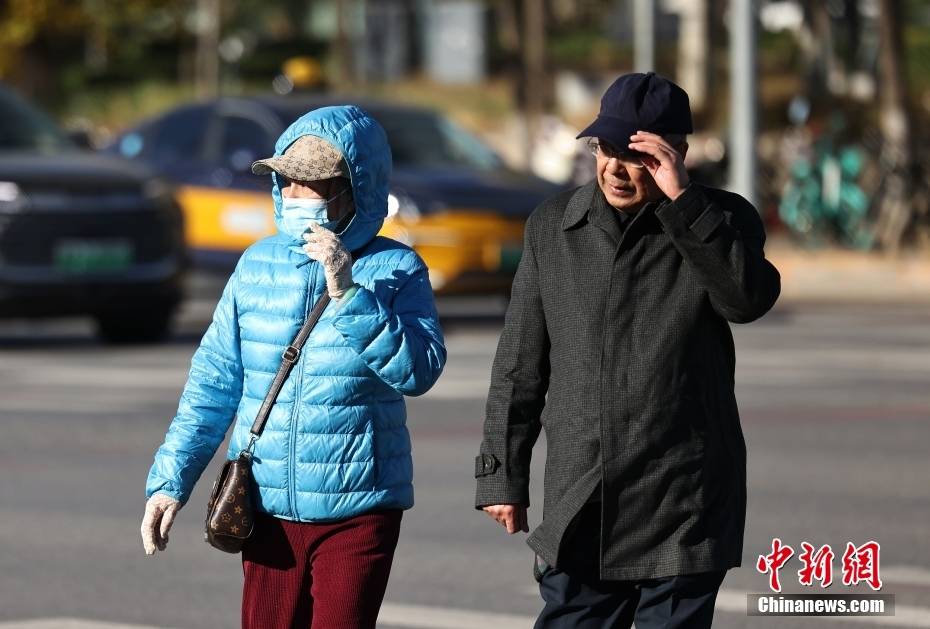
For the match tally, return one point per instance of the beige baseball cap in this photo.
(309, 158)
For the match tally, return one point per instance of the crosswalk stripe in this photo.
(908, 575)
(426, 617)
(69, 623)
(429, 617)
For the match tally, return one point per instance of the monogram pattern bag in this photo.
(230, 515)
(231, 509)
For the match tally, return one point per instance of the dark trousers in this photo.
(576, 598)
(319, 576)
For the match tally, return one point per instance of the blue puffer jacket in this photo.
(336, 442)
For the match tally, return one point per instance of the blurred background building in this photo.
(838, 90)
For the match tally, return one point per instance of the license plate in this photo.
(247, 221)
(93, 256)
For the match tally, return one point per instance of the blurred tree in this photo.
(534, 69)
(816, 43)
(43, 39)
(207, 60)
(25, 26)
(343, 49)
(897, 209)
(521, 31)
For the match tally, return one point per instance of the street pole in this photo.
(694, 50)
(644, 35)
(743, 160)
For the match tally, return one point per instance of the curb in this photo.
(851, 276)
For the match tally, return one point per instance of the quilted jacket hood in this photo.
(363, 143)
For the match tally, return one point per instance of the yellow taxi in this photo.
(452, 198)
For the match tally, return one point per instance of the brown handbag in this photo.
(231, 509)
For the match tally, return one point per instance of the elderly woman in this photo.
(333, 465)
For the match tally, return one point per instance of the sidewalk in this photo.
(831, 275)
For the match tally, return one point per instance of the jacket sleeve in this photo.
(517, 395)
(723, 242)
(401, 342)
(207, 406)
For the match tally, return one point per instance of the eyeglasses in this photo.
(629, 159)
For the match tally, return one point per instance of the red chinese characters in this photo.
(773, 562)
(817, 565)
(861, 564)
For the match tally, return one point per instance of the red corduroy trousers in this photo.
(318, 576)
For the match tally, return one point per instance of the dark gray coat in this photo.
(617, 344)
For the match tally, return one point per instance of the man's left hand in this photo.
(325, 247)
(663, 161)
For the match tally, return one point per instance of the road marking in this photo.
(119, 377)
(425, 617)
(906, 575)
(69, 623)
(459, 389)
(428, 617)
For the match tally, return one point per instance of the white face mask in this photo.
(298, 213)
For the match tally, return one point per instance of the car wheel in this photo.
(148, 325)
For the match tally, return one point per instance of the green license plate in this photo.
(92, 256)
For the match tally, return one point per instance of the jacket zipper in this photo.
(292, 443)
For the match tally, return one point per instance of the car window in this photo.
(176, 137)
(423, 138)
(23, 128)
(467, 148)
(243, 141)
(426, 139)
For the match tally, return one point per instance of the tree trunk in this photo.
(816, 42)
(896, 209)
(534, 68)
(207, 61)
(345, 61)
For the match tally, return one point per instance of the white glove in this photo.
(325, 247)
(160, 510)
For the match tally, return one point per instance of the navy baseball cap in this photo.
(640, 102)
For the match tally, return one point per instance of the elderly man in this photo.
(617, 343)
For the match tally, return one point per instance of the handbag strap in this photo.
(288, 358)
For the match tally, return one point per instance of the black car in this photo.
(82, 233)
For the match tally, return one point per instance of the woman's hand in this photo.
(159, 516)
(325, 247)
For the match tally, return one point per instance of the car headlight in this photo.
(399, 204)
(11, 197)
(9, 192)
